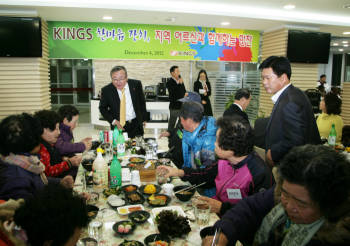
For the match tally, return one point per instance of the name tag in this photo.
(234, 194)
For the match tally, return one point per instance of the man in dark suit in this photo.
(292, 121)
(242, 100)
(177, 90)
(128, 93)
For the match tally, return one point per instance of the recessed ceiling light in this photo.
(346, 33)
(289, 6)
(335, 44)
(225, 23)
(341, 49)
(107, 17)
(346, 45)
(171, 19)
(345, 42)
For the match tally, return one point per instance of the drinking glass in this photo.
(161, 179)
(95, 229)
(201, 211)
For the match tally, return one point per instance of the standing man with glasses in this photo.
(123, 103)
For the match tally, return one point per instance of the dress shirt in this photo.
(129, 108)
(275, 97)
(240, 107)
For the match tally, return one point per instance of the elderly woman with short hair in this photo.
(310, 205)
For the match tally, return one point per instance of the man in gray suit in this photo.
(292, 121)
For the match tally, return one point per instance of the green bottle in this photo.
(120, 144)
(115, 173)
(332, 136)
(115, 137)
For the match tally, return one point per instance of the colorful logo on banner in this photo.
(141, 41)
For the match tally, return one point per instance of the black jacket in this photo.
(234, 110)
(176, 92)
(109, 103)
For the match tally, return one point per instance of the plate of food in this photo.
(158, 200)
(92, 211)
(124, 227)
(149, 189)
(115, 201)
(139, 217)
(131, 243)
(170, 223)
(129, 188)
(125, 210)
(137, 160)
(111, 191)
(134, 198)
(157, 240)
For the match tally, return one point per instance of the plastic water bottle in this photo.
(332, 136)
(115, 173)
(120, 144)
(100, 171)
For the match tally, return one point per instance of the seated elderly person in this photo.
(331, 109)
(309, 206)
(175, 134)
(239, 173)
(21, 173)
(69, 116)
(198, 140)
(53, 217)
(55, 166)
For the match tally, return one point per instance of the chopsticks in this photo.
(189, 188)
(216, 237)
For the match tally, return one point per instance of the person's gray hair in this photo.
(192, 110)
(118, 68)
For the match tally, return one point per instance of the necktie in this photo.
(122, 108)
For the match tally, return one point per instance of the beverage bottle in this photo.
(121, 144)
(115, 137)
(115, 173)
(100, 171)
(332, 136)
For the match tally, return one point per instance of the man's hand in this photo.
(208, 240)
(180, 81)
(119, 126)
(88, 143)
(214, 204)
(67, 182)
(75, 160)
(269, 159)
(164, 134)
(171, 171)
(204, 102)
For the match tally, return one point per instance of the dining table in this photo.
(108, 215)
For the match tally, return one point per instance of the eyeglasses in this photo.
(119, 79)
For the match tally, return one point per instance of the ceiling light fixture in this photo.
(346, 45)
(335, 44)
(346, 33)
(225, 23)
(171, 19)
(345, 42)
(341, 49)
(107, 17)
(289, 6)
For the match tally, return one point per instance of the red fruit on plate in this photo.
(121, 229)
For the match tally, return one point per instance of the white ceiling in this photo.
(264, 15)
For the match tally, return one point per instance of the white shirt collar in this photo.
(176, 80)
(275, 97)
(239, 106)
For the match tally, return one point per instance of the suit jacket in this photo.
(176, 92)
(234, 110)
(109, 103)
(292, 123)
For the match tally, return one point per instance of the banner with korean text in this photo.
(140, 41)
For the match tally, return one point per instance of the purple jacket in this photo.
(234, 182)
(65, 144)
(16, 182)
